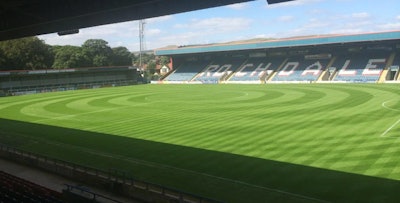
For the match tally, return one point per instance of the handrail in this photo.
(60, 166)
(95, 196)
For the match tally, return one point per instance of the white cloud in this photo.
(160, 19)
(204, 31)
(125, 29)
(292, 3)
(354, 24)
(285, 18)
(294, 18)
(360, 15)
(390, 26)
(317, 12)
(54, 39)
(111, 33)
(395, 25)
(238, 6)
(337, 24)
(217, 25)
(313, 26)
(152, 32)
(347, 31)
(266, 36)
(118, 34)
(182, 39)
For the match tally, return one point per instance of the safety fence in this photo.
(112, 180)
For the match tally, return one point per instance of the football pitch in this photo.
(234, 143)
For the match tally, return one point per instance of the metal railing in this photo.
(121, 183)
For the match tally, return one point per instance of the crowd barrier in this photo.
(118, 183)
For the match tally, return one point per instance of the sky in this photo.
(243, 21)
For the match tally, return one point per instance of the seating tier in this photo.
(360, 67)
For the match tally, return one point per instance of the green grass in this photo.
(236, 143)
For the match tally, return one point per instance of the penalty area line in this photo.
(393, 125)
(390, 128)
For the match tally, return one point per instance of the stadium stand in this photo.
(363, 66)
(187, 71)
(300, 69)
(14, 189)
(360, 67)
(364, 57)
(28, 82)
(218, 69)
(255, 69)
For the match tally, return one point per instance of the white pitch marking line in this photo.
(384, 106)
(394, 124)
(390, 128)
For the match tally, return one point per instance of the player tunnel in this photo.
(393, 73)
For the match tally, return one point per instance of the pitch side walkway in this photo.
(49, 180)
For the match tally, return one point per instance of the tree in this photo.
(99, 51)
(70, 57)
(164, 60)
(151, 67)
(149, 72)
(146, 59)
(28, 53)
(101, 60)
(121, 56)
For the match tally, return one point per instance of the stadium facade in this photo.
(364, 58)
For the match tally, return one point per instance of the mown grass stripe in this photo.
(335, 127)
